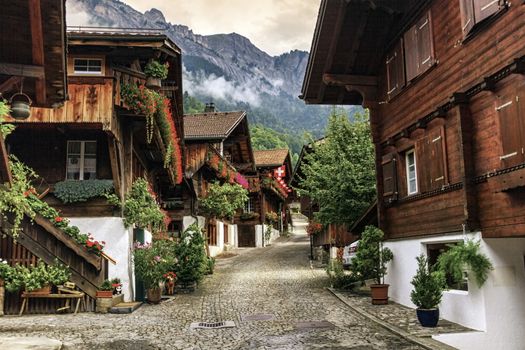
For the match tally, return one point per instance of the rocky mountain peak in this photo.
(155, 16)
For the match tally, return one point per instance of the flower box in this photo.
(104, 293)
(41, 291)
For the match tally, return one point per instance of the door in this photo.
(246, 235)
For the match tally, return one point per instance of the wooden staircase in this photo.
(39, 239)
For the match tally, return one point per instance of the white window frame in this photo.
(408, 166)
(81, 160)
(249, 206)
(88, 72)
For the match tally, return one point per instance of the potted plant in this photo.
(465, 256)
(155, 72)
(105, 290)
(370, 262)
(36, 279)
(192, 260)
(427, 292)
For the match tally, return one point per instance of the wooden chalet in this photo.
(218, 149)
(275, 171)
(445, 83)
(97, 136)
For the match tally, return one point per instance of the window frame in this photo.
(473, 25)
(412, 152)
(414, 44)
(249, 205)
(82, 155)
(88, 58)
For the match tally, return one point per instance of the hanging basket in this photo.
(153, 83)
(20, 106)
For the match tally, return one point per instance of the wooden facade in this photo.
(448, 91)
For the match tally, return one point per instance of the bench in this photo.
(68, 295)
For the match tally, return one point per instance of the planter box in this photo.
(40, 291)
(104, 293)
(181, 287)
(104, 304)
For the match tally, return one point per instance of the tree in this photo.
(339, 174)
(264, 138)
(192, 105)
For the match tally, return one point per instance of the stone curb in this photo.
(429, 344)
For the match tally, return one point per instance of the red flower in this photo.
(58, 219)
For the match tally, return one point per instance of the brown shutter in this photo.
(411, 58)
(438, 175)
(485, 8)
(389, 176)
(510, 133)
(467, 16)
(423, 164)
(424, 43)
(395, 70)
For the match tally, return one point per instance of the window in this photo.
(419, 48)
(87, 66)
(475, 11)
(410, 161)
(81, 160)
(433, 253)
(430, 152)
(249, 205)
(212, 233)
(510, 114)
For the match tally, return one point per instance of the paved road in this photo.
(276, 281)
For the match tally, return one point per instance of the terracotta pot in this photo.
(153, 83)
(41, 291)
(154, 295)
(379, 294)
(104, 294)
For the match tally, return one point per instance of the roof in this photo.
(348, 46)
(270, 157)
(211, 125)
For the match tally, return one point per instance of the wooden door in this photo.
(246, 235)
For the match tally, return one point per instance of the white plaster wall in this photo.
(233, 239)
(259, 232)
(466, 308)
(188, 220)
(219, 248)
(503, 300)
(118, 246)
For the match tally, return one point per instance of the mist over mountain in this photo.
(224, 68)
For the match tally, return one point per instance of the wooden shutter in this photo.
(485, 8)
(467, 16)
(424, 44)
(437, 161)
(510, 130)
(411, 59)
(422, 164)
(395, 69)
(389, 176)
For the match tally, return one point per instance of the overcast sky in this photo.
(275, 26)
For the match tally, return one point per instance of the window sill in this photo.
(456, 292)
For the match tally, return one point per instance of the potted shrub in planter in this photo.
(192, 261)
(37, 279)
(427, 292)
(105, 290)
(155, 72)
(370, 262)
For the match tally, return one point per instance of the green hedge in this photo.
(72, 191)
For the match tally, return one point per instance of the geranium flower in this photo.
(58, 219)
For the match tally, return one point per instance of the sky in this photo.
(274, 26)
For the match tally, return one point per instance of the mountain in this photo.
(224, 68)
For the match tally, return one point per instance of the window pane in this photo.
(73, 167)
(73, 147)
(90, 147)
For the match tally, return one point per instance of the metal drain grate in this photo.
(212, 325)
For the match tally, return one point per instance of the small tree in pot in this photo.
(427, 292)
(370, 262)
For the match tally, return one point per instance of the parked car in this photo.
(349, 253)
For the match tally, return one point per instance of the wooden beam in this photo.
(37, 47)
(467, 167)
(113, 158)
(348, 79)
(22, 70)
(8, 84)
(5, 172)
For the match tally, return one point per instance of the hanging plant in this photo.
(155, 69)
(5, 129)
(222, 201)
(141, 208)
(141, 100)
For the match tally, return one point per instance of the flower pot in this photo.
(428, 317)
(20, 108)
(153, 83)
(45, 290)
(154, 295)
(104, 293)
(379, 294)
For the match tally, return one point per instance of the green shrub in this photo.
(371, 257)
(191, 255)
(141, 208)
(35, 277)
(428, 285)
(222, 201)
(71, 191)
(156, 69)
(106, 285)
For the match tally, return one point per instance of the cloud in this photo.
(219, 88)
(275, 26)
(77, 16)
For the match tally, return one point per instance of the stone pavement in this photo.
(274, 284)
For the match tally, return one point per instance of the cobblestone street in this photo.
(275, 283)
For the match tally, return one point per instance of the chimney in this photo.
(210, 107)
